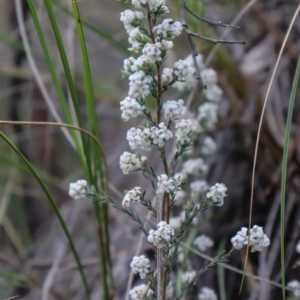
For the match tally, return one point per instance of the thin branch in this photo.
(210, 22)
(194, 53)
(214, 41)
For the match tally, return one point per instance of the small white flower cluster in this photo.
(142, 138)
(294, 285)
(130, 162)
(155, 6)
(131, 108)
(168, 29)
(137, 39)
(131, 19)
(162, 236)
(207, 294)
(190, 80)
(198, 187)
(132, 196)
(138, 292)
(257, 239)
(152, 53)
(139, 85)
(160, 134)
(209, 146)
(194, 166)
(78, 189)
(203, 242)
(173, 109)
(217, 194)
(188, 276)
(213, 92)
(139, 138)
(167, 76)
(166, 184)
(185, 128)
(182, 69)
(132, 65)
(140, 265)
(207, 116)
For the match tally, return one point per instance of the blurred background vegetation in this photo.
(35, 260)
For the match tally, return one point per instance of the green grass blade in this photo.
(54, 76)
(284, 172)
(97, 159)
(55, 208)
(221, 272)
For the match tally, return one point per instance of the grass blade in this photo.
(284, 172)
(55, 208)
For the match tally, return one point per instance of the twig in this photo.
(214, 41)
(225, 33)
(210, 22)
(194, 53)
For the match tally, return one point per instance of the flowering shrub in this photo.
(172, 123)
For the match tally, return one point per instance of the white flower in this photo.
(217, 194)
(182, 68)
(209, 76)
(294, 285)
(139, 85)
(198, 187)
(78, 189)
(152, 52)
(138, 292)
(185, 128)
(240, 239)
(153, 5)
(207, 294)
(131, 108)
(203, 242)
(141, 265)
(194, 166)
(298, 247)
(213, 93)
(209, 146)
(207, 116)
(257, 239)
(162, 236)
(164, 184)
(139, 138)
(188, 276)
(173, 109)
(130, 162)
(190, 80)
(131, 19)
(128, 64)
(132, 196)
(168, 29)
(160, 134)
(166, 76)
(137, 39)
